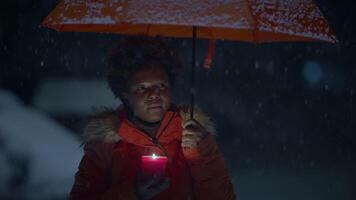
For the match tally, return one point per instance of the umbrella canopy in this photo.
(244, 20)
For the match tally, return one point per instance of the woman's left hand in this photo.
(193, 133)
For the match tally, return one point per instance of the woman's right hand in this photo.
(147, 189)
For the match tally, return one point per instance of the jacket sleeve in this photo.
(210, 174)
(91, 179)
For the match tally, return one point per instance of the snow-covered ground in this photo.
(38, 156)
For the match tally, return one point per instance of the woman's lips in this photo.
(155, 107)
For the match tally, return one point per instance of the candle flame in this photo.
(154, 156)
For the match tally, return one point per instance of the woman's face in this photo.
(149, 94)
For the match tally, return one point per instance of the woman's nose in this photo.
(154, 92)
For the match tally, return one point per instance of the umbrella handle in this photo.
(192, 86)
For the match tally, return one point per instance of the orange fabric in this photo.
(108, 170)
(244, 20)
(210, 55)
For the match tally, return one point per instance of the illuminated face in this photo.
(149, 94)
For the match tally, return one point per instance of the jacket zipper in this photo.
(159, 145)
(154, 140)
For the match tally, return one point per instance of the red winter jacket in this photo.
(113, 149)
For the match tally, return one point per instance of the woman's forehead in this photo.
(150, 75)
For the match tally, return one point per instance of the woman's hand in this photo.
(147, 189)
(193, 133)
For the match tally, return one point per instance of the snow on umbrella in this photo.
(243, 20)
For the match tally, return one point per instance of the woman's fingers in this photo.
(193, 132)
(150, 188)
(193, 124)
(162, 185)
(189, 143)
(191, 139)
(187, 132)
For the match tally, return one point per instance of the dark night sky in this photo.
(268, 74)
(265, 110)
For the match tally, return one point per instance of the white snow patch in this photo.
(61, 96)
(51, 151)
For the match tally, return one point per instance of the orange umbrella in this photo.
(244, 20)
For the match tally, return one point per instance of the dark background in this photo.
(285, 112)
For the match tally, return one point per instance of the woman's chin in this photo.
(154, 116)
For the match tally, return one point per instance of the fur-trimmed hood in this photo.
(104, 125)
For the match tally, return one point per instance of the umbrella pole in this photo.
(192, 86)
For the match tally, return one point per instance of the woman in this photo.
(141, 73)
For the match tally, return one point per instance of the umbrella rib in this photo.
(148, 29)
(61, 27)
(254, 25)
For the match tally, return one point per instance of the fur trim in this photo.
(102, 127)
(199, 116)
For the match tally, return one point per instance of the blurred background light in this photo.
(312, 73)
(63, 96)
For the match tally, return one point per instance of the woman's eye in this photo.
(141, 89)
(162, 86)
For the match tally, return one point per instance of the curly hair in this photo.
(137, 52)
